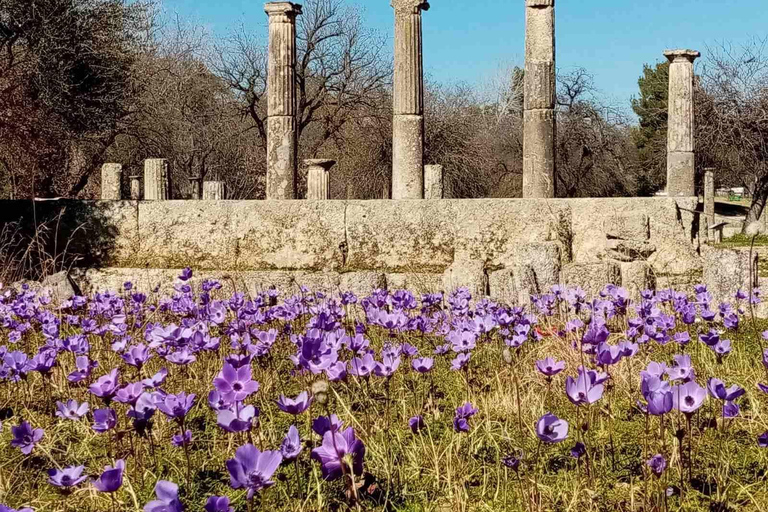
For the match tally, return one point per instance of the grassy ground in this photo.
(437, 469)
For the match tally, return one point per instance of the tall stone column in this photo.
(281, 100)
(213, 190)
(680, 124)
(196, 184)
(157, 180)
(408, 100)
(135, 187)
(539, 100)
(110, 181)
(709, 202)
(319, 178)
(433, 182)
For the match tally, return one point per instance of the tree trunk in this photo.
(759, 198)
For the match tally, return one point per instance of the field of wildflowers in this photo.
(311, 402)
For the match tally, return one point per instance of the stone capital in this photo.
(279, 9)
(539, 3)
(320, 163)
(410, 6)
(681, 55)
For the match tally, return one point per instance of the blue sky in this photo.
(468, 40)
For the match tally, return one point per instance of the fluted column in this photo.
(709, 202)
(681, 145)
(213, 190)
(539, 100)
(110, 181)
(135, 187)
(318, 178)
(281, 100)
(433, 182)
(408, 101)
(157, 180)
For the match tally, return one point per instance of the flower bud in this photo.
(320, 391)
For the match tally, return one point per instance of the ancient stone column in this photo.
(539, 100)
(213, 190)
(680, 124)
(196, 183)
(110, 181)
(157, 180)
(281, 100)
(319, 178)
(408, 100)
(135, 187)
(709, 202)
(433, 182)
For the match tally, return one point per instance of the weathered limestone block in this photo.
(416, 282)
(60, 286)
(135, 188)
(539, 153)
(408, 157)
(362, 283)
(281, 100)
(592, 277)
(727, 271)
(514, 286)
(318, 178)
(680, 125)
(433, 182)
(637, 276)
(544, 259)
(213, 190)
(157, 180)
(627, 226)
(110, 182)
(628, 250)
(466, 274)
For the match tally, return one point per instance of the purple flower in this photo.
(252, 469)
(460, 361)
(718, 390)
(25, 437)
(156, 380)
(578, 450)
(112, 478)
(181, 357)
(129, 393)
(65, 478)
(462, 416)
(549, 368)
(218, 504)
(83, 371)
(388, 366)
(608, 354)
(658, 464)
(323, 424)
(296, 405)
(137, 355)
(551, 429)
(186, 274)
(4, 508)
(236, 384)
(339, 448)
(512, 461)
(362, 366)
(167, 498)
(688, 397)
(180, 441)
(762, 441)
(175, 406)
(423, 364)
(240, 421)
(682, 368)
(730, 410)
(416, 424)
(291, 445)
(106, 385)
(762, 387)
(583, 390)
(104, 420)
(336, 372)
(71, 410)
(722, 347)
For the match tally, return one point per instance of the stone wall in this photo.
(506, 247)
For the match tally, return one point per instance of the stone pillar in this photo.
(709, 202)
(680, 124)
(110, 181)
(213, 190)
(408, 102)
(281, 100)
(196, 184)
(539, 100)
(157, 180)
(433, 182)
(135, 187)
(318, 178)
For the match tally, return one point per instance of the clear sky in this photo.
(468, 40)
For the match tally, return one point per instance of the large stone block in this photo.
(637, 276)
(627, 226)
(514, 286)
(727, 271)
(592, 277)
(416, 282)
(466, 274)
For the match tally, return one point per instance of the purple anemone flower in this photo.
(578, 450)
(25, 437)
(362, 366)
(296, 405)
(762, 440)
(551, 429)
(584, 389)
(237, 421)
(156, 380)
(731, 410)
(167, 498)
(112, 478)
(106, 385)
(137, 355)
(388, 366)
(323, 424)
(104, 420)
(180, 441)
(462, 416)
(218, 504)
(291, 446)
(236, 384)
(658, 464)
(512, 461)
(129, 393)
(252, 469)
(339, 448)
(4, 508)
(175, 406)
(460, 361)
(762, 387)
(68, 477)
(423, 364)
(71, 409)
(549, 367)
(688, 397)
(718, 390)
(608, 354)
(416, 424)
